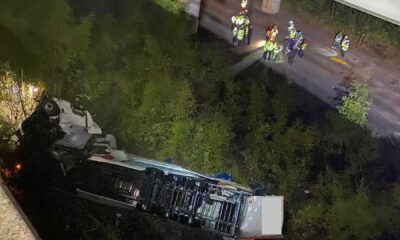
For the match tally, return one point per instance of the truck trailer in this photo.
(98, 171)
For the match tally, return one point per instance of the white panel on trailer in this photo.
(387, 10)
(262, 217)
(272, 215)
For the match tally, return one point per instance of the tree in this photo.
(18, 99)
(42, 38)
(355, 106)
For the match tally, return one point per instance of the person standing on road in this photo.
(345, 45)
(290, 49)
(234, 20)
(238, 28)
(268, 49)
(277, 51)
(291, 30)
(302, 47)
(338, 40)
(268, 33)
(274, 33)
(249, 29)
(299, 38)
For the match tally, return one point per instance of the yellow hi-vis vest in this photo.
(345, 45)
(277, 48)
(268, 46)
(292, 34)
(240, 34)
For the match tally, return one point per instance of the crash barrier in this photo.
(271, 6)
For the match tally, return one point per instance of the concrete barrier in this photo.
(14, 225)
(270, 6)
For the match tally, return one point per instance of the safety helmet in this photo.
(346, 37)
(291, 22)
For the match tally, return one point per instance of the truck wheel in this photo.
(50, 107)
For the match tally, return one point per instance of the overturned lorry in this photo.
(97, 170)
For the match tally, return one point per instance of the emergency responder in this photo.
(338, 40)
(268, 49)
(268, 33)
(277, 51)
(299, 38)
(241, 32)
(291, 29)
(234, 33)
(243, 6)
(274, 33)
(302, 47)
(249, 33)
(238, 21)
(345, 45)
(290, 49)
(248, 29)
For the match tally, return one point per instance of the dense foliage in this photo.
(167, 93)
(357, 104)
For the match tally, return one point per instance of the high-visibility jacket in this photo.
(273, 34)
(277, 48)
(246, 20)
(240, 20)
(268, 35)
(234, 19)
(345, 45)
(292, 34)
(339, 37)
(291, 28)
(303, 46)
(268, 46)
(240, 34)
(235, 30)
(299, 36)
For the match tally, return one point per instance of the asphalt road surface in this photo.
(322, 69)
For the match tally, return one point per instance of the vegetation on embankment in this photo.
(166, 93)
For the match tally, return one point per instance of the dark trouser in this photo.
(249, 35)
(234, 40)
(291, 56)
(343, 52)
(276, 56)
(267, 54)
(301, 53)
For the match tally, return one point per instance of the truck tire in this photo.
(50, 107)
